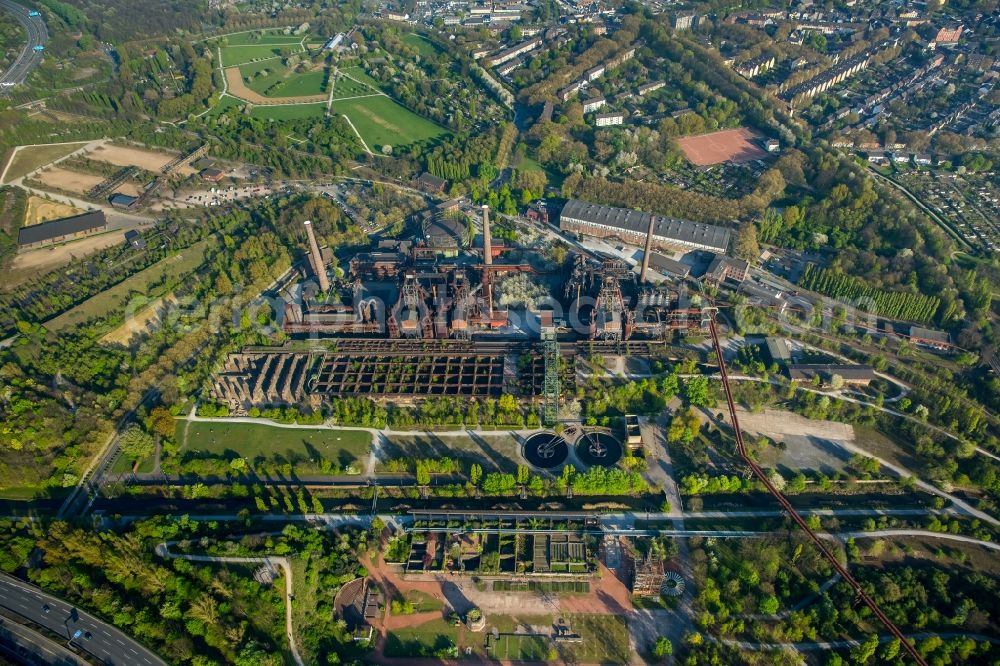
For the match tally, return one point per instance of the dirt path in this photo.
(236, 88)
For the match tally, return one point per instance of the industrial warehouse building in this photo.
(631, 226)
(60, 230)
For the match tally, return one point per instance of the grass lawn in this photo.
(28, 159)
(300, 85)
(256, 38)
(605, 640)
(422, 640)
(234, 55)
(382, 121)
(303, 448)
(164, 271)
(346, 87)
(265, 74)
(361, 75)
(422, 44)
(289, 111)
(123, 465)
(226, 102)
(423, 602)
(521, 648)
(500, 452)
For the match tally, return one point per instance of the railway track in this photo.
(845, 575)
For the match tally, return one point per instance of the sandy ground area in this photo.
(30, 264)
(128, 156)
(237, 88)
(41, 210)
(70, 181)
(139, 322)
(809, 443)
(129, 188)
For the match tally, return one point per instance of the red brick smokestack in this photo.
(487, 238)
(648, 250)
(317, 259)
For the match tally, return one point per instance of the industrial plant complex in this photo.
(421, 316)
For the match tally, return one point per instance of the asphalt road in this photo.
(30, 647)
(106, 642)
(28, 59)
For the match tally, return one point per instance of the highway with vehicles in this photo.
(79, 629)
(34, 49)
(27, 646)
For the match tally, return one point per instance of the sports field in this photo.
(381, 121)
(732, 145)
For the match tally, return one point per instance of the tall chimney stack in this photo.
(487, 239)
(316, 259)
(648, 250)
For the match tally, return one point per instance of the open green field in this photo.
(423, 45)
(30, 158)
(345, 87)
(495, 453)
(422, 640)
(361, 75)
(164, 271)
(260, 38)
(259, 76)
(235, 55)
(289, 111)
(605, 640)
(382, 121)
(520, 648)
(226, 102)
(423, 602)
(300, 85)
(303, 448)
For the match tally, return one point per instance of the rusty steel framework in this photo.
(550, 387)
(472, 375)
(845, 575)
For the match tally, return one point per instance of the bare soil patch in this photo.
(237, 88)
(128, 156)
(29, 264)
(139, 323)
(41, 210)
(69, 181)
(733, 145)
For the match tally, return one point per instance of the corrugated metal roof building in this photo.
(631, 226)
(63, 229)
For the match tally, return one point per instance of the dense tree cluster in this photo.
(892, 304)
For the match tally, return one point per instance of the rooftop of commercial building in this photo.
(694, 233)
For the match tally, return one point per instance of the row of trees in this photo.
(893, 304)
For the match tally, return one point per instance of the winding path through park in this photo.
(163, 550)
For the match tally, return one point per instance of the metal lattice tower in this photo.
(550, 387)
